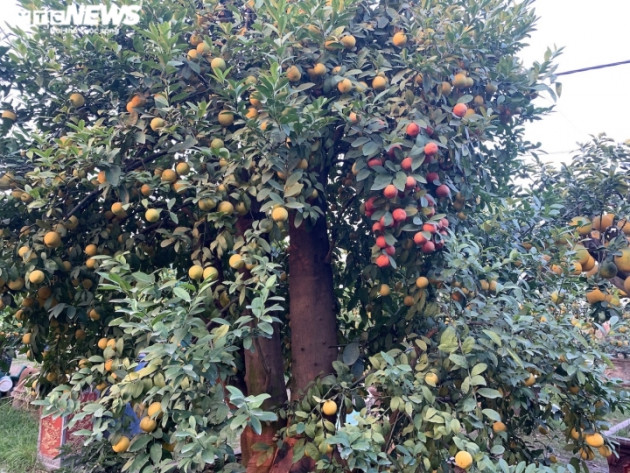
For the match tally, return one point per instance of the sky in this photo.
(592, 33)
(592, 102)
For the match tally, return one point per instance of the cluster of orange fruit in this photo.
(592, 255)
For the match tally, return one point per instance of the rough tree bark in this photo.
(312, 304)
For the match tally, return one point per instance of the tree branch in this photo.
(88, 199)
(137, 164)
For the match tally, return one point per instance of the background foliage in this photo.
(159, 176)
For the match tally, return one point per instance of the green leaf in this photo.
(370, 149)
(515, 357)
(478, 381)
(491, 414)
(143, 278)
(311, 450)
(469, 404)
(156, 453)
(395, 403)
(360, 142)
(489, 393)
(459, 360)
(140, 442)
(400, 180)
(112, 175)
(497, 450)
(494, 337)
(221, 331)
(478, 369)
(465, 387)
(293, 190)
(381, 182)
(256, 425)
(448, 340)
(351, 353)
(181, 293)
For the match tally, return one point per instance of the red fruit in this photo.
(391, 152)
(399, 215)
(429, 227)
(411, 182)
(442, 191)
(430, 149)
(460, 109)
(390, 191)
(443, 232)
(439, 245)
(413, 130)
(429, 130)
(372, 163)
(419, 239)
(406, 163)
(377, 227)
(380, 242)
(444, 222)
(432, 177)
(430, 212)
(428, 247)
(390, 250)
(382, 261)
(369, 204)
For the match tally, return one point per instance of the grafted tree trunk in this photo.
(264, 373)
(313, 345)
(312, 304)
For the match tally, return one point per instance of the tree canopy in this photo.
(297, 223)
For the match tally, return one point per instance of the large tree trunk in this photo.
(312, 304)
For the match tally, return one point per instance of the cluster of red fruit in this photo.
(414, 199)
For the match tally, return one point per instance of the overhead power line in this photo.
(592, 68)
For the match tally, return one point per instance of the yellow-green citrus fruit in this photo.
(594, 440)
(195, 272)
(36, 277)
(147, 424)
(77, 100)
(329, 408)
(463, 459)
(152, 215)
(210, 273)
(279, 214)
(122, 445)
(236, 261)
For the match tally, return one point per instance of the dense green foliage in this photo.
(136, 164)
